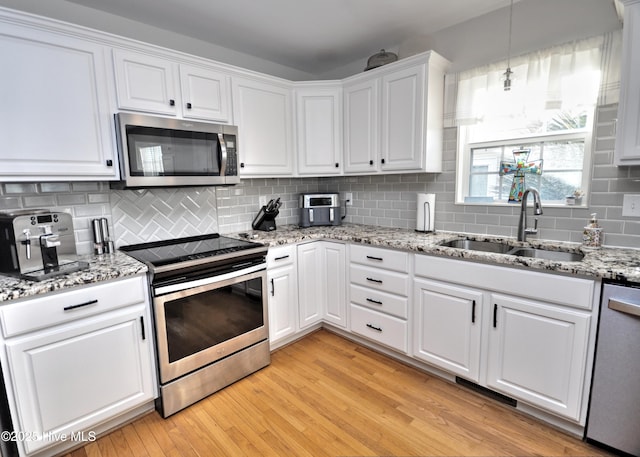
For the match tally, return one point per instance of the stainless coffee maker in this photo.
(37, 244)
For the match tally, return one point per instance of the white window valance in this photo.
(582, 73)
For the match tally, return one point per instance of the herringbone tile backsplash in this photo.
(159, 214)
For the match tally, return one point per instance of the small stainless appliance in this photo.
(614, 409)
(37, 244)
(162, 152)
(320, 209)
(209, 296)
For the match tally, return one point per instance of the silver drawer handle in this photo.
(373, 327)
(624, 307)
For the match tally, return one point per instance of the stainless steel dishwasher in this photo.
(614, 408)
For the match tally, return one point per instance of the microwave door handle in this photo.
(223, 155)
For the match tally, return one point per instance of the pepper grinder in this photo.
(107, 244)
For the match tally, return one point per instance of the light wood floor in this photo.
(327, 396)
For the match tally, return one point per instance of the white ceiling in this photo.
(313, 36)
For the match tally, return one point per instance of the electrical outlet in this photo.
(262, 200)
(631, 205)
(348, 197)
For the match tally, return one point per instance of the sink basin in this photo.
(502, 248)
(475, 245)
(560, 256)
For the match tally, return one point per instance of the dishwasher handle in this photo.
(624, 307)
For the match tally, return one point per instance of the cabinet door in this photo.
(72, 377)
(311, 289)
(627, 150)
(403, 107)
(283, 302)
(145, 83)
(55, 113)
(447, 325)
(263, 113)
(538, 353)
(361, 127)
(318, 129)
(335, 282)
(205, 94)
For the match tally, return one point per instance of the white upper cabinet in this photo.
(262, 110)
(319, 128)
(361, 140)
(205, 93)
(55, 113)
(627, 150)
(393, 117)
(157, 85)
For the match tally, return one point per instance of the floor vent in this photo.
(487, 392)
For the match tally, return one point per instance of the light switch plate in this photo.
(631, 205)
(262, 200)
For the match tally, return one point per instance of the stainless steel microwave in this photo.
(157, 151)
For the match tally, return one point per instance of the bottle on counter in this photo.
(592, 235)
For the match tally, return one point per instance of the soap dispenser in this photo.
(592, 235)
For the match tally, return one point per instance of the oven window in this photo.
(163, 152)
(200, 321)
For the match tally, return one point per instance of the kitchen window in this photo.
(549, 112)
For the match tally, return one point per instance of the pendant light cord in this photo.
(507, 74)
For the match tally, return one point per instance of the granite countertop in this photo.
(607, 263)
(101, 268)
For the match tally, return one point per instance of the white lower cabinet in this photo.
(283, 293)
(379, 290)
(447, 327)
(321, 283)
(85, 369)
(530, 335)
(538, 352)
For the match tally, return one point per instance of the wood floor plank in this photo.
(328, 396)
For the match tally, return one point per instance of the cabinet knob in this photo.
(172, 102)
(109, 163)
(337, 165)
(370, 162)
(241, 164)
(382, 161)
(188, 105)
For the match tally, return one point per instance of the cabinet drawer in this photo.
(280, 256)
(49, 310)
(380, 258)
(384, 329)
(379, 301)
(386, 281)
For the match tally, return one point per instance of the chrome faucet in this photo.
(523, 230)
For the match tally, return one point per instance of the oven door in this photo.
(209, 319)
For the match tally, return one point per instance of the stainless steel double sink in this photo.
(498, 247)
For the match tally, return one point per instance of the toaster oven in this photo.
(320, 209)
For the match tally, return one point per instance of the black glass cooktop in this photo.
(158, 253)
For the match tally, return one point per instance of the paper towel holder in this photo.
(424, 221)
(427, 217)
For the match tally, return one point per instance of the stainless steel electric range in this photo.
(209, 296)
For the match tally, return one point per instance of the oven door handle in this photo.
(162, 290)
